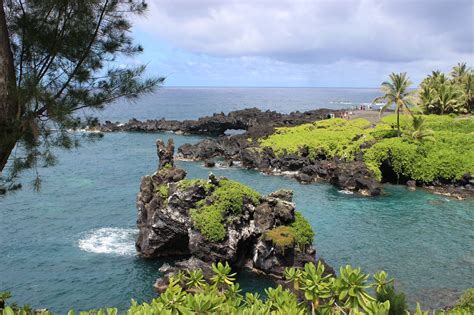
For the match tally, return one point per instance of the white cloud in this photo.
(318, 32)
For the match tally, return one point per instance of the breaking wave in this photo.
(117, 241)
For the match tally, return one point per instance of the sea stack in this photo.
(218, 219)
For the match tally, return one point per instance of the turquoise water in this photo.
(72, 244)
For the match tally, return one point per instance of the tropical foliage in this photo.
(397, 300)
(310, 290)
(442, 94)
(447, 156)
(396, 93)
(431, 147)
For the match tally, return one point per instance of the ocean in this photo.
(71, 245)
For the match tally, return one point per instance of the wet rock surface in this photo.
(166, 228)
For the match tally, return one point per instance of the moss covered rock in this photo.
(218, 219)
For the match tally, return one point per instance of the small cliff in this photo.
(218, 220)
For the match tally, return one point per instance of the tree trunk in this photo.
(9, 109)
(398, 122)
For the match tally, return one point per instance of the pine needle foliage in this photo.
(67, 56)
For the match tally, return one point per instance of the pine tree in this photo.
(57, 57)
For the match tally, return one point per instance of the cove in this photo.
(72, 244)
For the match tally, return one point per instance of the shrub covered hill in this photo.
(433, 151)
(441, 150)
(218, 220)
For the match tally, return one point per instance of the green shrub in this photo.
(208, 220)
(460, 124)
(227, 199)
(331, 137)
(163, 191)
(229, 196)
(299, 232)
(466, 301)
(302, 231)
(449, 157)
(281, 236)
(398, 304)
(186, 183)
(315, 292)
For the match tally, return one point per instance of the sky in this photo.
(293, 43)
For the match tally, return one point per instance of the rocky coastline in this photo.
(217, 124)
(257, 234)
(243, 149)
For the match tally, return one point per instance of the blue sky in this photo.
(320, 43)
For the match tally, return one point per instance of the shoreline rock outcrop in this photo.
(257, 124)
(219, 123)
(243, 149)
(218, 220)
(347, 175)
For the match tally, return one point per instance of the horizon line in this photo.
(269, 87)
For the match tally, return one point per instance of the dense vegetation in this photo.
(447, 154)
(299, 232)
(227, 199)
(454, 93)
(309, 290)
(430, 148)
(423, 146)
(324, 139)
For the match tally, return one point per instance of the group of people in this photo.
(362, 107)
(347, 114)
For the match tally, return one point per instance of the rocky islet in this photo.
(254, 229)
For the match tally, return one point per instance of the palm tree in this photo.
(448, 98)
(396, 93)
(460, 71)
(420, 132)
(470, 90)
(425, 97)
(437, 77)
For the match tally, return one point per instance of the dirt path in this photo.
(371, 115)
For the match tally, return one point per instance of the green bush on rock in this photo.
(282, 236)
(299, 232)
(331, 137)
(447, 156)
(302, 230)
(226, 199)
(163, 191)
(186, 183)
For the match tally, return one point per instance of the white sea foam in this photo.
(345, 192)
(117, 241)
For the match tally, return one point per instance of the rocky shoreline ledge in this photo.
(218, 220)
(246, 119)
(351, 175)
(241, 148)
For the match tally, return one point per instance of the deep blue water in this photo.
(191, 103)
(72, 244)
